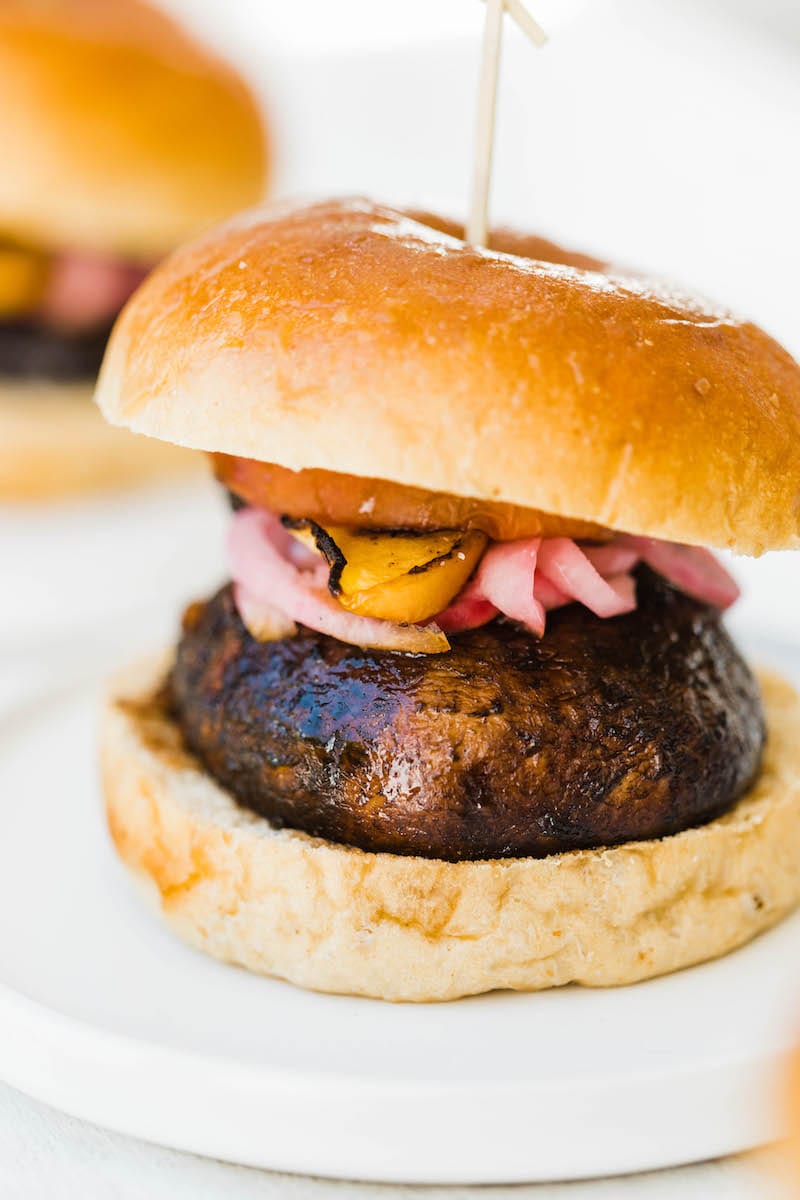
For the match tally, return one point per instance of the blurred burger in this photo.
(121, 137)
(467, 716)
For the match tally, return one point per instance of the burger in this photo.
(467, 716)
(121, 137)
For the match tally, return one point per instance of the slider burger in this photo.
(121, 137)
(467, 716)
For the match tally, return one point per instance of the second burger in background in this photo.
(122, 136)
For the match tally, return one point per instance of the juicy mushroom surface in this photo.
(603, 731)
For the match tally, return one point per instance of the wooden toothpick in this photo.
(519, 13)
(484, 126)
(477, 225)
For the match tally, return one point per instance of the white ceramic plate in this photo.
(103, 1014)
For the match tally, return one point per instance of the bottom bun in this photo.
(54, 442)
(337, 919)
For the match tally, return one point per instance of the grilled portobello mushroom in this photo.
(604, 732)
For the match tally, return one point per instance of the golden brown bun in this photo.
(53, 443)
(512, 241)
(120, 133)
(347, 337)
(337, 919)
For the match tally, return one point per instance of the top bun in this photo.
(124, 134)
(350, 337)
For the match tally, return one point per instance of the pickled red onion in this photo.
(505, 577)
(469, 610)
(614, 558)
(692, 569)
(548, 595)
(86, 290)
(564, 563)
(261, 564)
(279, 582)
